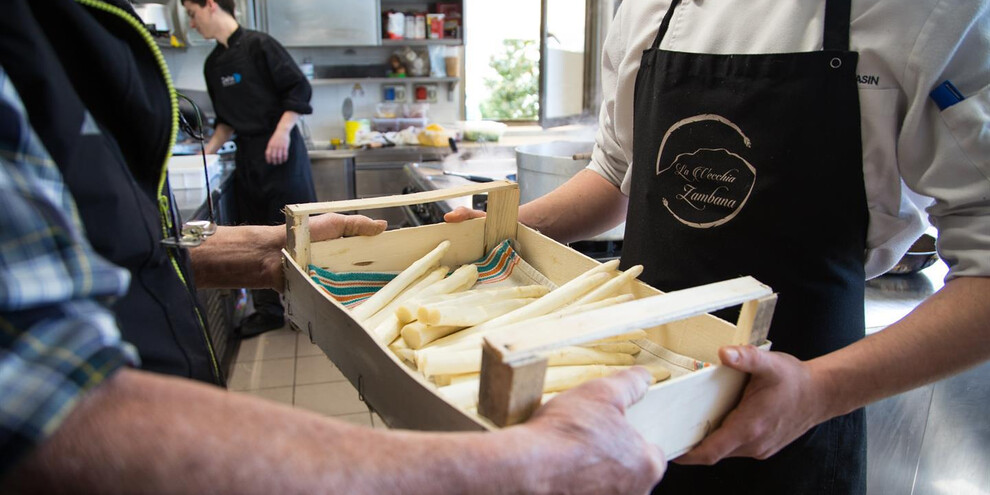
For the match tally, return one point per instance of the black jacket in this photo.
(97, 93)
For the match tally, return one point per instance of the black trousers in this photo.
(262, 190)
(828, 459)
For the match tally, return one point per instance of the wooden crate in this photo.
(676, 414)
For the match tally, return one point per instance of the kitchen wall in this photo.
(186, 66)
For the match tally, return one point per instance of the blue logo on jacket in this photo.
(230, 80)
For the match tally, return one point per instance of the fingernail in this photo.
(732, 356)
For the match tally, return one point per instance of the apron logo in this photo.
(868, 79)
(230, 80)
(702, 182)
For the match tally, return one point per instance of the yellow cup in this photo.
(350, 130)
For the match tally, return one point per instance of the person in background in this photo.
(798, 142)
(258, 93)
(75, 414)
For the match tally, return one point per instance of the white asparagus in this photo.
(553, 300)
(469, 361)
(406, 354)
(441, 380)
(468, 315)
(634, 335)
(462, 378)
(387, 331)
(464, 394)
(463, 340)
(612, 287)
(401, 281)
(544, 305)
(621, 347)
(461, 280)
(417, 334)
(414, 289)
(409, 311)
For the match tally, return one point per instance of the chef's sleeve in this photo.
(945, 153)
(609, 158)
(294, 90)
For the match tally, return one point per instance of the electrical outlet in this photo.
(394, 92)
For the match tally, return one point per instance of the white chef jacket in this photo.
(915, 157)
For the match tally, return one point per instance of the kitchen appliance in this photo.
(244, 12)
(545, 166)
(155, 16)
(920, 255)
(302, 23)
(451, 173)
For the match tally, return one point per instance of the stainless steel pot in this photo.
(543, 167)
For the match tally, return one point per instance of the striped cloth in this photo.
(501, 266)
(57, 337)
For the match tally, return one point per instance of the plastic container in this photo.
(186, 172)
(388, 110)
(416, 110)
(398, 124)
(482, 130)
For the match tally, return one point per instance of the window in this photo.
(508, 79)
(502, 52)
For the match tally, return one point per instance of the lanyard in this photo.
(195, 232)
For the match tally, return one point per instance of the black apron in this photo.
(110, 137)
(752, 165)
(262, 190)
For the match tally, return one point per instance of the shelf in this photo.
(396, 80)
(426, 42)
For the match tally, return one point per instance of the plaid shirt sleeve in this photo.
(58, 339)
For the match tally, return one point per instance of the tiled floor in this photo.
(283, 366)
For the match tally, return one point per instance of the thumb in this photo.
(745, 358)
(362, 225)
(629, 386)
(461, 214)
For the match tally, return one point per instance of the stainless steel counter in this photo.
(934, 439)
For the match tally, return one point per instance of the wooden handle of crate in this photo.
(503, 212)
(512, 369)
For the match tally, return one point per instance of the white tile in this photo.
(306, 348)
(277, 344)
(363, 419)
(316, 369)
(282, 395)
(254, 375)
(329, 399)
(378, 422)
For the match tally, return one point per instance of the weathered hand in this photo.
(782, 400)
(277, 151)
(334, 225)
(321, 228)
(586, 446)
(461, 214)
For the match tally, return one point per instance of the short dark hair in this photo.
(226, 5)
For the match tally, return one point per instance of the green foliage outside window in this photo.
(514, 95)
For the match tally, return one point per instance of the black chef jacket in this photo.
(253, 81)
